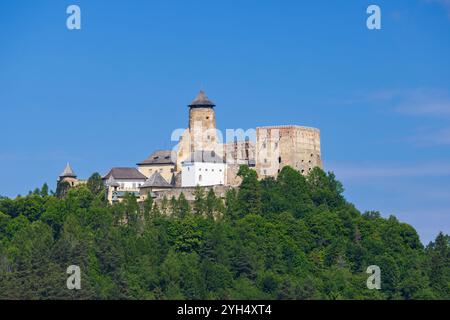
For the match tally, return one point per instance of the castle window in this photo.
(264, 145)
(265, 172)
(200, 178)
(207, 118)
(265, 160)
(279, 159)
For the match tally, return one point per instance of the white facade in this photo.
(203, 174)
(128, 184)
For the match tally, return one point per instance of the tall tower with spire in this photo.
(202, 123)
(201, 135)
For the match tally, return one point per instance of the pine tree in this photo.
(184, 208)
(211, 204)
(148, 207)
(249, 195)
(44, 190)
(439, 260)
(231, 205)
(199, 201)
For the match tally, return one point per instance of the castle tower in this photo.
(201, 134)
(202, 123)
(68, 175)
(280, 146)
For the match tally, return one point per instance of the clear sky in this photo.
(111, 93)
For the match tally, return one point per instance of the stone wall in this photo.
(280, 146)
(188, 192)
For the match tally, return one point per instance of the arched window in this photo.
(200, 178)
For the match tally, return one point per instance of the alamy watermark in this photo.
(73, 22)
(74, 280)
(374, 20)
(374, 280)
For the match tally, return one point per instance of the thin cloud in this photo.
(443, 3)
(416, 101)
(433, 138)
(364, 170)
(419, 101)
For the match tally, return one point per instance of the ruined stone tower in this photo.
(280, 146)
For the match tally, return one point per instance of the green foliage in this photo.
(249, 195)
(62, 188)
(96, 186)
(286, 238)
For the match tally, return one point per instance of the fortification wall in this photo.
(279, 146)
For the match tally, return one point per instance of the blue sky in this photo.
(111, 93)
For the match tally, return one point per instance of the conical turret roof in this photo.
(68, 172)
(156, 180)
(202, 101)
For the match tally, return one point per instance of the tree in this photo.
(293, 192)
(199, 201)
(249, 195)
(184, 209)
(231, 205)
(212, 204)
(325, 189)
(148, 208)
(44, 190)
(62, 189)
(131, 208)
(165, 206)
(96, 186)
(438, 253)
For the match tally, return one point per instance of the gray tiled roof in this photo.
(160, 157)
(156, 180)
(68, 172)
(202, 101)
(125, 174)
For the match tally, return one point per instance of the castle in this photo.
(202, 158)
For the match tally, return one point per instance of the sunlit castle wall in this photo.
(280, 146)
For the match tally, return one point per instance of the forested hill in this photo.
(290, 238)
